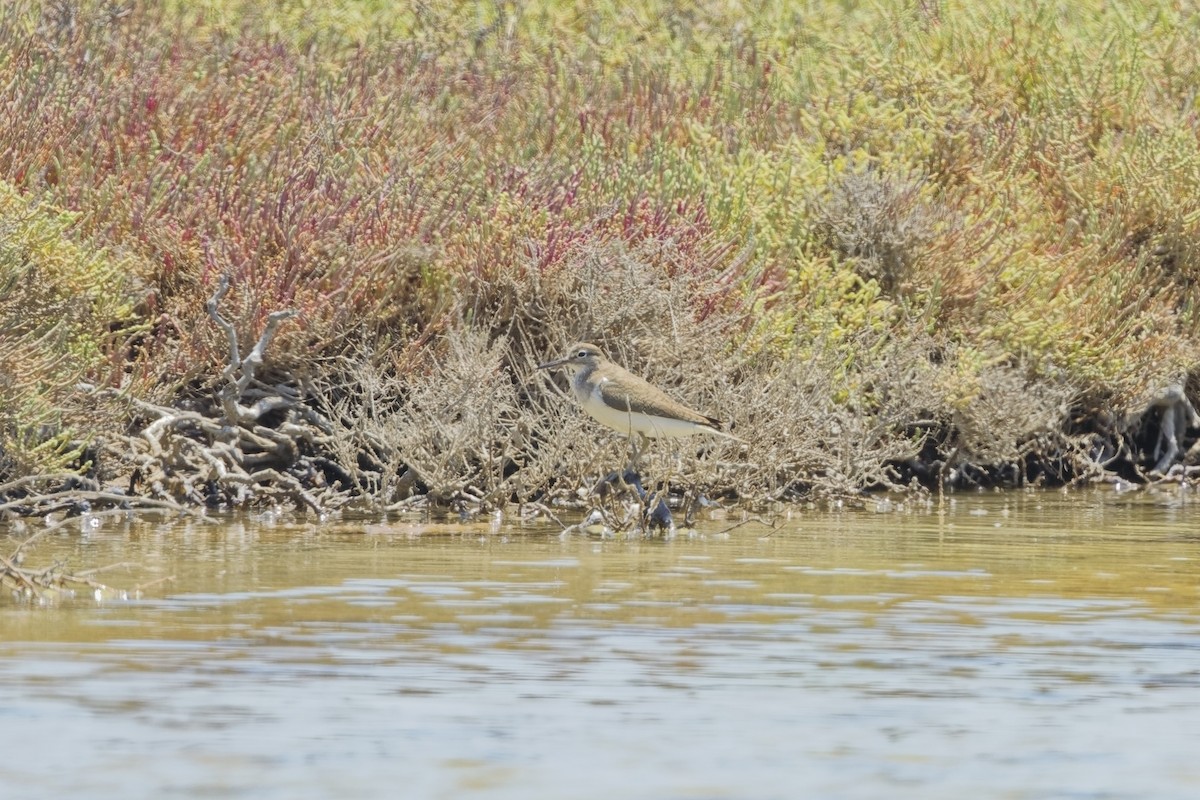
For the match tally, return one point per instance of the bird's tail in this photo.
(716, 428)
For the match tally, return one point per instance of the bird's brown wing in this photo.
(648, 399)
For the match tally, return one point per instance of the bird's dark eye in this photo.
(581, 354)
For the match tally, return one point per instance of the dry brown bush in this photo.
(882, 223)
(474, 420)
(1009, 413)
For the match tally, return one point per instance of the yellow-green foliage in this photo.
(1019, 179)
(61, 304)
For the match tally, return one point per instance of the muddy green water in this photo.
(1002, 646)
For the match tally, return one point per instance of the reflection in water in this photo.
(1010, 646)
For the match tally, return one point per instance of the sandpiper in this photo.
(626, 403)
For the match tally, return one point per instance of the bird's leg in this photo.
(637, 444)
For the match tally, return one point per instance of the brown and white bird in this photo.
(614, 396)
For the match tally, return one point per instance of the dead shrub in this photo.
(468, 418)
(807, 425)
(1008, 417)
(881, 223)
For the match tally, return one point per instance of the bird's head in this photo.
(578, 357)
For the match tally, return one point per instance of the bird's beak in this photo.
(558, 362)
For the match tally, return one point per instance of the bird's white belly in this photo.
(631, 422)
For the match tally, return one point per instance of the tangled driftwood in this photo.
(257, 440)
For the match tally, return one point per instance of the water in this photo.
(1003, 646)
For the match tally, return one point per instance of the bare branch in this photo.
(235, 359)
(252, 361)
